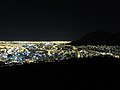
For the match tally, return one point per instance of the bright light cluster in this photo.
(20, 52)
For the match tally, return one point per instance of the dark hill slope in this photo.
(76, 74)
(98, 38)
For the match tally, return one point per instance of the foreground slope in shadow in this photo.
(88, 73)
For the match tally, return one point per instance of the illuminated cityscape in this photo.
(20, 52)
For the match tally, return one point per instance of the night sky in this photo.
(56, 20)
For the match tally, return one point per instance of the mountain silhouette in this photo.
(98, 37)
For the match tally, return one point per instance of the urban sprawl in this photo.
(20, 52)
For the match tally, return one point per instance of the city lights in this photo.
(20, 52)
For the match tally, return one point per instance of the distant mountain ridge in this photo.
(98, 37)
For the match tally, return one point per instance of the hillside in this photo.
(88, 73)
(98, 37)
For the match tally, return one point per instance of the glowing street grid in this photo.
(20, 52)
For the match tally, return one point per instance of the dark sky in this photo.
(56, 20)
